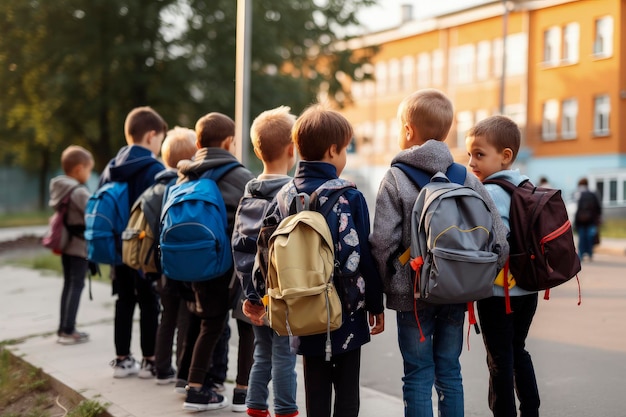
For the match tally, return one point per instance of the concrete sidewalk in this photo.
(29, 315)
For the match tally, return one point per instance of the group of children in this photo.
(320, 137)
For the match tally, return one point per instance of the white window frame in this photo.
(498, 52)
(601, 115)
(380, 137)
(549, 120)
(569, 118)
(437, 67)
(381, 78)
(603, 41)
(552, 46)
(571, 43)
(463, 67)
(406, 73)
(464, 122)
(423, 70)
(516, 54)
(483, 60)
(394, 75)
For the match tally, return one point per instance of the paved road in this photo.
(579, 352)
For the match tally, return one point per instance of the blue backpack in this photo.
(106, 217)
(194, 240)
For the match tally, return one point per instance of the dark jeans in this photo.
(74, 272)
(586, 234)
(342, 373)
(131, 289)
(174, 315)
(510, 365)
(245, 352)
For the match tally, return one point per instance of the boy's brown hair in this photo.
(500, 132)
(429, 111)
(317, 129)
(142, 120)
(270, 132)
(75, 155)
(213, 128)
(179, 144)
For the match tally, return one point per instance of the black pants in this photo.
(175, 316)
(131, 289)
(74, 272)
(510, 365)
(342, 373)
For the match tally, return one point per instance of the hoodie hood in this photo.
(433, 156)
(203, 160)
(130, 160)
(265, 188)
(59, 187)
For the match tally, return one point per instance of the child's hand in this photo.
(254, 312)
(377, 322)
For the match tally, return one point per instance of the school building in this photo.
(556, 67)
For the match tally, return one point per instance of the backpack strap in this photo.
(74, 230)
(508, 186)
(456, 173)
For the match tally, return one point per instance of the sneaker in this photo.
(72, 339)
(168, 378)
(204, 399)
(180, 387)
(239, 400)
(148, 369)
(217, 387)
(124, 367)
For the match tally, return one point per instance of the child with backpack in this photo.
(135, 165)
(492, 145)
(69, 189)
(587, 219)
(321, 137)
(274, 361)
(215, 133)
(424, 119)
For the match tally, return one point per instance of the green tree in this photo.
(70, 70)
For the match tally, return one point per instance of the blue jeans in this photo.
(586, 234)
(74, 272)
(434, 361)
(273, 360)
(510, 365)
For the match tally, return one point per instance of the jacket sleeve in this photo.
(499, 226)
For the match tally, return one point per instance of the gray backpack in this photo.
(453, 249)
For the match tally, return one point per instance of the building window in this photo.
(483, 59)
(462, 58)
(437, 67)
(381, 78)
(464, 122)
(601, 113)
(550, 117)
(497, 57)
(516, 54)
(394, 75)
(568, 122)
(603, 43)
(380, 137)
(481, 114)
(406, 80)
(423, 70)
(571, 40)
(552, 46)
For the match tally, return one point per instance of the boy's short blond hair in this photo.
(500, 132)
(429, 111)
(317, 129)
(179, 144)
(142, 120)
(73, 156)
(270, 132)
(213, 128)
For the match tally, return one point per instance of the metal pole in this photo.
(242, 79)
(505, 19)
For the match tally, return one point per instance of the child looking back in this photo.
(492, 146)
(322, 137)
(424, 119)
(273, 360)
(77, 163)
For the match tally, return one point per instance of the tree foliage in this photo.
(70, 70)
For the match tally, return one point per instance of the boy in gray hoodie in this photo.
(77, 163)
(425, 118)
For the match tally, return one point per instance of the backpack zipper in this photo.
(551, 236)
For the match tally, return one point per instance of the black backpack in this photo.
(542, 251)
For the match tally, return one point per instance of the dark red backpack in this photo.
(542, 251)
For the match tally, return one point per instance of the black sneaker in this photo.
(239, 400)
(167, 378)
(204, 399)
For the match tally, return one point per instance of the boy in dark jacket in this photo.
(273, 360)
(136, 165)
(322, 137)
(215, 133)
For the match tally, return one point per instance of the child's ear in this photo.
(507, 156)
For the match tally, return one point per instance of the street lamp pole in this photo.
(242, 79)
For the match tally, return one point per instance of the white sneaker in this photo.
(124, 367)
(148, 369)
